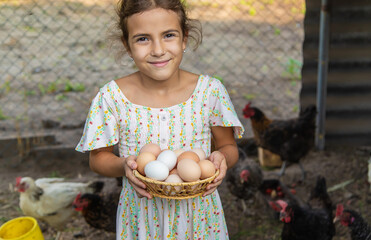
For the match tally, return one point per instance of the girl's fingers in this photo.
(138, 186)
(220, 163)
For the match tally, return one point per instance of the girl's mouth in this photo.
(160, 64)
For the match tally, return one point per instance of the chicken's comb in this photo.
(247, 106)
(77, 198)
(339, 209)
(276, 207)
(18, 181)
(282, 204)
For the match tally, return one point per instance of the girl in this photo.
(164, 104)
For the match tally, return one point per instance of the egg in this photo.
(168, 157)
(173, 171)
(179, 151)
(188, 170)
(200, 152)
(152, 148)
(189, 155)
(156, 170)
(207, 168)
(173, 178)
(143, 159)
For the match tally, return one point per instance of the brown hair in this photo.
(125, 8)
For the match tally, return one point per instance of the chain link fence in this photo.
(54, 57)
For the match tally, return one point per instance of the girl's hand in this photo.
(220, 163)
(140, 188)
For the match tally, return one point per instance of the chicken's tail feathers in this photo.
(321, 186)
(96, 186)
(309, 112)
(320, 193)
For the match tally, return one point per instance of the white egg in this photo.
(168, 157)
(156, 170)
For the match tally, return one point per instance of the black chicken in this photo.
(99, 210)
(359, 228)
(307, 222)
(291, 139)
(245, 178)
(319, 197)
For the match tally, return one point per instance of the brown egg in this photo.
(179, 151)
(142, 160)
(173, 178)
(152, 148)
(189, 155)
(173, 171)
(189, 170)
(207, 168)
(200, 152)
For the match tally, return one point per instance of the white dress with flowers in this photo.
(114, 119)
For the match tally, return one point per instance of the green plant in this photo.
(2, 116)
(252, 11)
(52, 87)
(55, 174)
(277, 31)
(70, 87)
(41, 88)
(3, 219)
(6, 86)
(219, 78)
(292, 69)
(249, 96)
(60, 97)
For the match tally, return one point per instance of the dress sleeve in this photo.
(222, 111)
(101, 128)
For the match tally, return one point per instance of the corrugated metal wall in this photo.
(348, 104)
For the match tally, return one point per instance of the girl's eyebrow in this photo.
(139, 35)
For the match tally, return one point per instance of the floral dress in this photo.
(114, 119)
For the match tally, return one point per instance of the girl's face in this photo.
(156, 43)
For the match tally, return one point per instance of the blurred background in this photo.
(55, 55)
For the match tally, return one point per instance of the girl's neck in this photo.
(158, 94)
(161, 87)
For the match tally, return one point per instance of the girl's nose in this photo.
(158, 49)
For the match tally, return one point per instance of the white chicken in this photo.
(50, 199)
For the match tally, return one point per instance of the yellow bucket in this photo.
(21, 228)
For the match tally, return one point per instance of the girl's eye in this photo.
(169, 35)
(142, 39)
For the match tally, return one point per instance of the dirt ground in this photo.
(260, 80)
(337, 164)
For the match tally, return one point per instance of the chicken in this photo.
(50, 199)
(245, 178)
(319, 197)
(99, 210)
(306, 222)
(291, 139)
(359, 228)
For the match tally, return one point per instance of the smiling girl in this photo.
(163, 104)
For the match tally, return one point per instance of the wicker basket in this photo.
(175, 190)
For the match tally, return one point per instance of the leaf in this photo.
(340, 185)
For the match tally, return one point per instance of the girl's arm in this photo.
(225, 155)
(104, 162)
